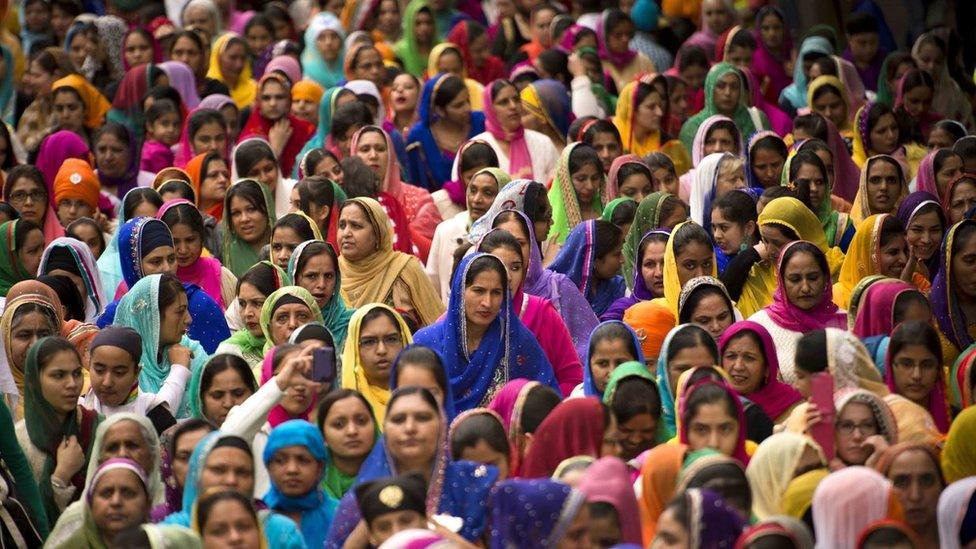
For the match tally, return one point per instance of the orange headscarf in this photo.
(194, 168)
(169, 174)
(658, 478)
(307, 90)
(651, 322)
(96, 105)
(76, 180)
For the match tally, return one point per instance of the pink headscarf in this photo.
(925, 176)
(613, 190)
(506, 400)
(825, 314)
(619, 60)
(185, 151)
(205, 272)
(608, 481)
(847, 176)
(287, 65)
(938, 404)
(278, 414)
(773, 396)
(876, 310)
(519, 158)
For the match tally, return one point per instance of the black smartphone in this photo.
(323, 365)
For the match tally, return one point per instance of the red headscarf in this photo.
(258, 125)
(573, 428)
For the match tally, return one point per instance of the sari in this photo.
(773, 396)
(954, 518)
(772, 468)
(847, 501)
(608, 481)
(794, 96)
(506, 351)
(747, 121)
(566, 209)
(239, 255)
(205, 272)
(577, 259)
(429, 164)
(267, 310)
(589, 383)
(958, 458)
(96, 105)
(259, 126)
(376, 278)
(84, 267)
(315, 67)
(335, 314)
(770, 66)
(12, 268)
(552, 504)
(139, 309)
(47, 428)
(354, 376)
(245, 91)
(938, 406)
(574, 428)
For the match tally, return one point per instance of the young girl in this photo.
(734, 226)
(611, 344)
(163, 123)
(592, 258)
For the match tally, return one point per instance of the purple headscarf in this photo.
(712, 523)
(640, 290)
(945, 305)
(910, 207)
(182, 79)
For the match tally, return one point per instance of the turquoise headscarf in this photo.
(109, 266)
(335, 315)
(326, 107)
(315, 67)
(669, 413)
(796, 93)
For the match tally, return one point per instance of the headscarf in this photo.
(625, 116)
(948, 97)
(12, 269)
(89, 534)
(139, 237)
(704, 187)
(647, 219)
(267, 311)
(511, 196)
(658, 478)
(336, 314)
(519, 156)
(773, 396)
(314, 65)
(771, 469)
(371, 279)
(552, 504)
(885, 94)
(87, 270)
(795, 95)
(549, 100)
(945, 303)
(861, 208)
(46, 428)
(566, 209)
(961, 392)
(182, 79)
(911, 206)
(669, 412)
(574, 428)
(875, 310)
(23, 293)
(798, 496)
(862, 258)
(492, 67)
(955, 513)
(127, 103)
(196, 168)
(589, 384)
(354, 375)
(744, 120)
(740, 446)
(845, 502)
(608, 480)
(239, 256)
(466, 489)
(507, 349)
(712, 522)
(406, 48)
(771, 65)
(96, 106)
(577, 259)
(958, 457)
(790, 317)
(111, 32)
(246, 89)
(55, 149)
(509, 403)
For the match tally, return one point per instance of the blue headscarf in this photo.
(450, 410)
(589, 385)
(551, 505)
(795, 95)
(326, 108)
(669, 414)
(508, 350)
(315, 67)
(209, 326)
(317, 509)
(429, 165)
(138, 237)
(576, 260)
(467, 486)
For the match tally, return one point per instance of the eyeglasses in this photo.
(390, 340)
(908, 365)
(37, 195)
(848, 428)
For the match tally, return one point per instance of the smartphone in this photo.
(323, 365)
(822, 396)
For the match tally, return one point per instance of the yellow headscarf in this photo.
(476, 92)
(672, 283)
(353, 375)
(798, 496)
(862, 258)
(828, 80)
(307, 90)
(861, 209)
(623, 119)
(771, 469)
(96, 105)
(959, 454)
(246, 90)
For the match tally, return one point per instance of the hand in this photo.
(576, 66)
(71, 458)
(103, 222)
(813, 416)
(763, 250)
(278, 135)
(297, 368)
(878, 445)
(909, 270)
(179, 354)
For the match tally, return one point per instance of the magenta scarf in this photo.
(790, 317)
(519, 158)
(774, 396)
(506, 399)
(278, 414)
(205, 272)
(938, 407)
(620, 60)
(925, 176)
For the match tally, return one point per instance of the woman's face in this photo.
(916, 371)
(951, 168)
(774, 238)
(388, 19)
(810, 176)
(284, 240)
(712, 426)
(369, 66)
(423, 28)
(125, 440)
(729, 179)
(964, 270)
(174, 321)
(650, 112)
(929, 59)
(372, 150)
(349, 429)
(665, 180)
(69, 111)
(686, 359)
(250, 224)
(37, 81)
(671, 532)
(228, 467)
(227, 390)
(61, 381)
(652, 268)
(635, 186)
(918, 101)
(411, 432)
(118, 502)
(803, 281)
(137, 50)
(893, 256)
(832, 107)
(211, 137)
(726, 95)
(318, 276)
(719, 140)
(508, 108)
(250, 300)
(294, 471)
(713, 314)
(884, 187)
(745, 362)
(917, 482)
(330, 168)
(771, 30)
(27, 329)
(715, 15)
(483, 299)
(962, 197)
(458, 111)
(355, 233)
(274, 100)
(608, 148)
(924, 234)
(286, 319)
(767, 165)
(482, 452)
(183, 449)
(405, 93)
(587, 181)
(608, 266)
(186, 51)
(884, 135)
(606, 355)
(232, 62)
(188, 244)
(940, 139)
(380, 341)
(90, 236)
(231, 525)
(31, 252)
(855, 423)
(414, 375)
(480, 194)
(729, 235)
(258, 38)
(81, 47)
(329, 44)
(696, 259)
(515, 265)
(161, 260)
(450, 63)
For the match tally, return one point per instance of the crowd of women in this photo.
(454, 273)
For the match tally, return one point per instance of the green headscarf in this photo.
(271, 303)
(609, 209)
(886, 95)
(12, 269)
(335, 483)
(19, 468)
(239, 256)
(406, 48)
(634, 369)
(828, 216)
(562, 196)
(743, 120)
(251, 346)
(647, 218)
(336, 314)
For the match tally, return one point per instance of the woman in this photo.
(117, 498)
(794, 96)
(559, 510)
(189, 233)
(259, 124)
(725, 94)
(210, 178)
(323, 64)
(930, 53)
(913, 369)
(248, 217)
(773, 53)
(591, 258)
(715, 176)
(373, 272)
(376, 335)
(156, 307)
(749, 357)
(446, 122)
(204, 131)
(777, 461)
(182, 79)
(252, 291)
(350, 430)
(576, 427)
(418, 37)
(314, 266)
(78, 106)
(919, 498)
(255, 159)
(701, 518)
(803, 301)
(71, 258)
(846, 502)
(32, 311)
(937, 170)
(861, 415)
(283, 312)
(642, 110)
(522, 153)
(612, 344)
(481, 339)
(26, 244)
(222, 516)
(229, 64)
(879, 247)
(716, 134)
(53, 382)
(648, 277)
(578, 191)
(117, 160)
(696, 408)
(25, 189)
(548, 110)
(883, 304)
(881, 190)
(806, 174)
(876, 132)
(826, 97)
